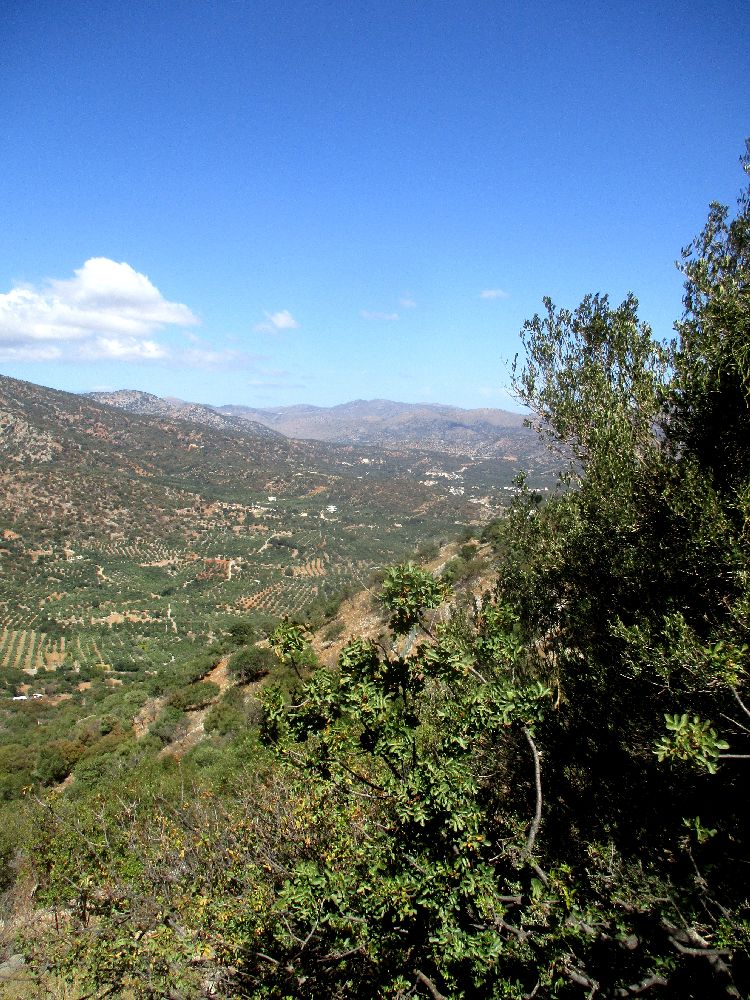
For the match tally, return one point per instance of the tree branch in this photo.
(435, 992)
(475, 672)
(581, 979)
(647, 984)
(700, 952)
(538, 782)
(337, 956)
(740, 702)
(530, 840)
(266, 958)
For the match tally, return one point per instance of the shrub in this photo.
(194, 696)
(170, 725)
(252, 663)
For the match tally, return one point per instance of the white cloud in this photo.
(199, 357)
(493, 293)
(30, 353)
(380, 316)
(277, 321)
(121, 349)
(407, 302)
(106, 310)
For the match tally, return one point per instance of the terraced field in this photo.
(29, 650)
(133, 605)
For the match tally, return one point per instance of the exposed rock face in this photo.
(10, 969)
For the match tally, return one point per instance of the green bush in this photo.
(16, 770)
(194, 696)
(252, 663)
(170, 725)
(231, 714)
(54, 764)
(461, 569)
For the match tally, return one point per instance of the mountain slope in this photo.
(81, 459)
(135, 401)
(124, 534)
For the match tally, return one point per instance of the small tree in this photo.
(252, 663)
(289, 641)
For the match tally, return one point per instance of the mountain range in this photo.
(477, 433)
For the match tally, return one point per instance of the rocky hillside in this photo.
(72, 463)
(135, 401)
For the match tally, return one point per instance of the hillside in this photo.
(130, 542)
(135, 401)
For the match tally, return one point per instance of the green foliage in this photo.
(398, 745)
(171, 724)
(633, 587)
(326, 605)
(709, 405)
(196, 668)
(692, 740)
(16, 770)
(596, 378)
(289, 640)
(231, 715)
(408, 592)
(492, 533)
(462, 568)
(290, 643)
(14, 830)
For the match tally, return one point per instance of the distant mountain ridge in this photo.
(482, 432)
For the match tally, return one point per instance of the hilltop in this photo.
(137, 401)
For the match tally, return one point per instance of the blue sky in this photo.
(278, 202)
